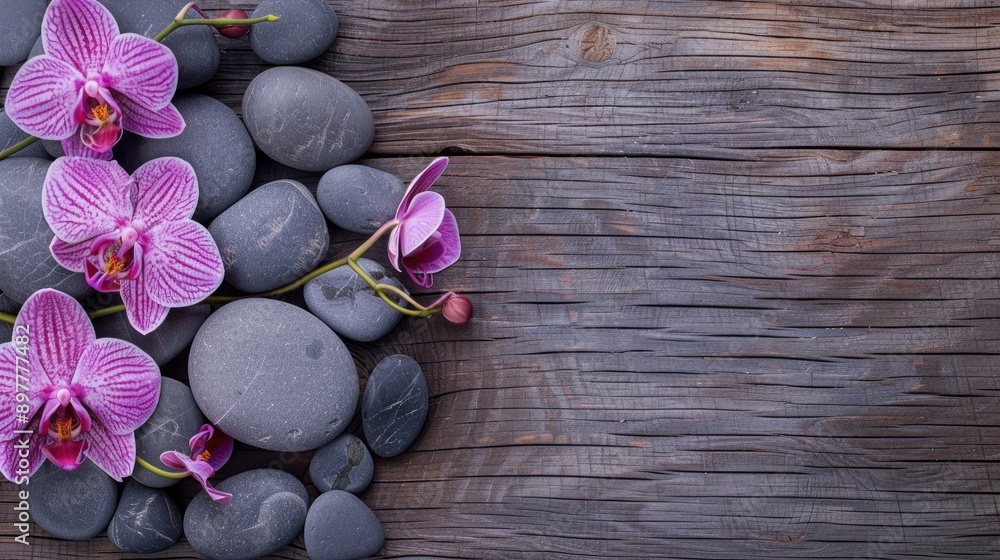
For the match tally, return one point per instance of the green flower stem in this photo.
(8, 318)
(159, 471)
(381, 288)
(106, 311)
(18, 147)
(179, 21)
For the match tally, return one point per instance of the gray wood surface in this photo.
(735, 275)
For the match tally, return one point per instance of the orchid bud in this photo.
(234, 31)
(457, 309)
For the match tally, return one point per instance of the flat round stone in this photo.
(272, 236)
(175, 420)
(267, 511)
(22, 25)
(359, 198)
(72, 505)
(194, 46)
(394, 406)
(306, 119)
(271, 375)
(343, 464)
(341, 527)
(11, 134)
(306, 30)
(349, 306)
(147, 520)
(164, 343)
(214, 142)
(26, 264)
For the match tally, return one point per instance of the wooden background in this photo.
(735, 273)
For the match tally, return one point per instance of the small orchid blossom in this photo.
(209, 452)
(132, 234)
(66, 395)
(426, 238)
(93, 82)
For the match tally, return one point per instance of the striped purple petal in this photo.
(19, 375)
(420, 220)
(182, 264)
(59, 331)
(143, 313)
(142, 70)
(10, 454)
(421, 183)
(83, 198)
(114, 454)
(43, 97)
(74, 147)
(78, 32)
(70, 256)
(162, 123)
(168, 191)
(121, 384)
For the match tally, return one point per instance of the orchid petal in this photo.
(70, 256)
(420, 221)
(450, 246)
(66, 454)
(213, 494)
(114, 454)
(84, 198)
(142, 70)
(78, 32)
(82, 415)
(121, 384)
(10, 454)
(34, 382)
(182, 264)
(161, 123)
(175, 460)
(198, 442)
(74, 147)
(421, 183)
(220, 449)
(393, 248)
(168, 191)
(60, 332)
(143, 313)
(43, 97)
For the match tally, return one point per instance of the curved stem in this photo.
(216, 22)
(8, 318)
(158, 471)
(111, 310)
(380, 288)
(18, 147)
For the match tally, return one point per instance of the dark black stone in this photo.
(22, 25)
(341, 527)
(359, 198)
(273, 236)
(147, 520)
(349, 306)
(343, 464)
(174, 421)
(394, 406)
(26, 264)
(10, 134)
(267, 511)
(167, 341)
(306, 30)
(271, 375)
(306, 119)
(72, 505)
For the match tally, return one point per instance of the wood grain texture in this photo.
(735, 274)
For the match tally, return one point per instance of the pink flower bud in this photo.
(457, 309)
(234, 31)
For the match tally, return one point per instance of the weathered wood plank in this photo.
(791, 355)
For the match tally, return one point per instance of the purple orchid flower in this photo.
(67, 395)
(132, 234)
(93, 82)
(209, 452)
(426, 238)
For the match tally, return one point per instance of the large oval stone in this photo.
(395, 405)
(359, 198)
(194, 46)
(273, 236)
(349, 306)
(11, 134)
(271, 375)
(267, 511)
(164, 343)
(147, 520)
(73, 505)
(26, 264)
(175, 420)
(306, 30)
(214, 142)
(306, 119)
(341, 527)
(22, 25)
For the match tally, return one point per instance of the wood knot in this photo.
(597, 43)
